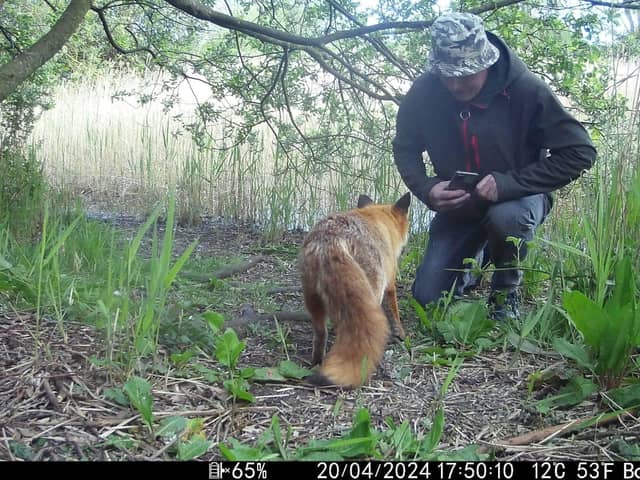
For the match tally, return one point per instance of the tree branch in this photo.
(627, 5)
(271, 35)
(377, 44)
(112, 41)
(16, 71)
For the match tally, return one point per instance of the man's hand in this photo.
(487, 189)
(441, 199)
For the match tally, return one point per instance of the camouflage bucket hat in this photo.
(459, 46)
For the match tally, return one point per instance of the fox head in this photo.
(402, 205)
(398, 212)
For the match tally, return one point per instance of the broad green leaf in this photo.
(238, 388)
(214, 320)
(574, 393)
(626, 396)
(574, 352)
(20, 450)
(345, 447)
(318, 456)
(362, 425)
(266, 374)
(139, 392)
(624, 292)
(121, 443)
(184, 357)
(172, 426)
(193, 448)
(588, 317)
(360, 441)
(629, 451)
(116, 395)
(566, 248)
(240, 452)
(616, 342)
(291, 370)
(402, 439)
(228, 348)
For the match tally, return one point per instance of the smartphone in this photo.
(464, 181)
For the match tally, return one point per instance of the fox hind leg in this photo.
(318, 322)
(391, 302)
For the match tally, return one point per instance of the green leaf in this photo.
(4, 264)
(121, 443)
(431, 441)
(214, 320)
(588, 317)
(228, 348)
(575, 392)
(184, 357)
(277, 437)
(139, 392)
(318, 456)
(574, 352)
(240, 452)
(194, 448)
(617, 341)
(425, 322)
(239, 389)
(61, 239)
(172, 426)
(116, 395)
(21, 450)
(624, 292)
(177, 266)
(626, 396)
(266, 374)
(290, 369)
(629, 451)
(402, 439)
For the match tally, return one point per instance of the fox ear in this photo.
(404, 202)
(363, 201)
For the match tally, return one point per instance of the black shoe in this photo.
(504, 305)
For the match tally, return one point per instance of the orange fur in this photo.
(348, 264)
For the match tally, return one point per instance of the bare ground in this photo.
(53, 404)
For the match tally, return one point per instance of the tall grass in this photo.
(126, 155)
(77, 270)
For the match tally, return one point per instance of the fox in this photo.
(348, 264)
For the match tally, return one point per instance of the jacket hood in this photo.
(503, 73)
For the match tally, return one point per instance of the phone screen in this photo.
(464, 181)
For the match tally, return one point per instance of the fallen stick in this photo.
(548, 433)
(225, 272)
(248, 315)
(233, 269)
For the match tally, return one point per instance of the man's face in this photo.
(466, 88)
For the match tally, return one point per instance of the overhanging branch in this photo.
(16, 71)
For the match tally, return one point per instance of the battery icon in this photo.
(215, 471)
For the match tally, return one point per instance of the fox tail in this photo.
(361, 326)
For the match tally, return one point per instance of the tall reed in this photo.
(125, 155)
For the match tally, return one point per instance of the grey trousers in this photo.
(454, 236)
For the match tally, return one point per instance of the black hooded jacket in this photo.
(515, 129)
